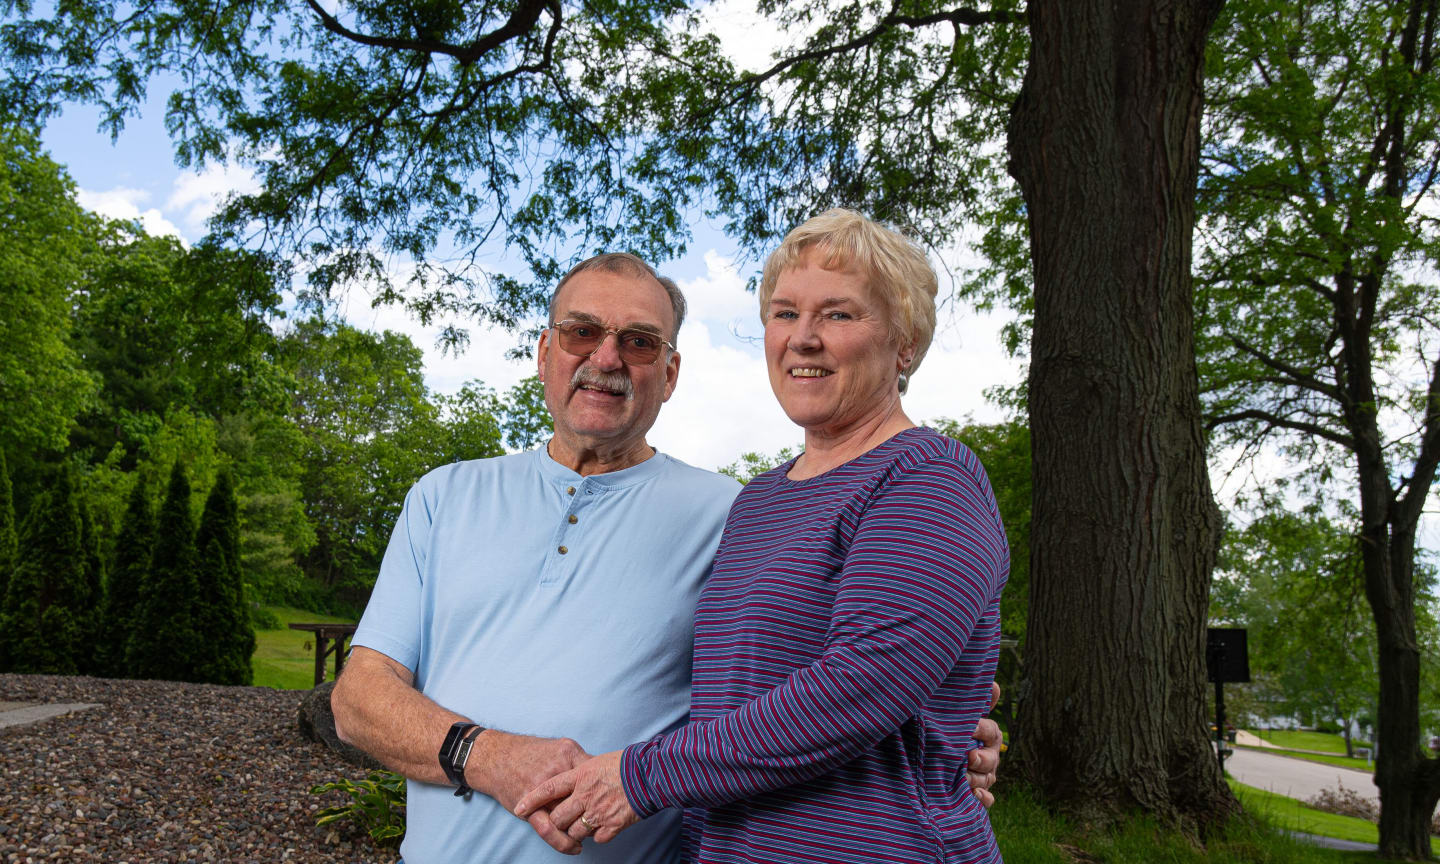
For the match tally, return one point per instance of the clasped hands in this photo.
(583, 795)
(586, 801)
(551, 783)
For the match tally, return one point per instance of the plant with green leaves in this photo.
(8, 539)
(1317, 291)
(48, 609)
(377, 804)
(220, 613)
(752, 464)
(165, 643)
(45, 239)
(128, 571)
(1292, 579)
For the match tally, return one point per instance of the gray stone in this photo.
(317, 723)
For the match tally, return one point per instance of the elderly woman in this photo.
(846, 640)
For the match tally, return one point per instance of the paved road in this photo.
(1296, 778)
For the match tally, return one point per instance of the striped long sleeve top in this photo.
(844, 648)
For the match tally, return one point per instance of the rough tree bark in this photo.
(1104, 141)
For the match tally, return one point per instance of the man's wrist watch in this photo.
(455, 752)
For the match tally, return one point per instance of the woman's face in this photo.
(827, 345)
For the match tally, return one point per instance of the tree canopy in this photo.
(1317, 290)
(416, 134)
(45, 239)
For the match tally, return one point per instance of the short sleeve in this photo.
(391, 623)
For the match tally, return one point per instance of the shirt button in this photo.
(573, 520)
(570, 491)
(563, 550)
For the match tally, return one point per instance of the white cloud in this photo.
(720, 296)
(722, 405)
(483, 359)
(122, 202)
(197, 196)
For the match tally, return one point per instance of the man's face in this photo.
(600, 401)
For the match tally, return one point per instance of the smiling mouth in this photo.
(807, 372)
(594, 388)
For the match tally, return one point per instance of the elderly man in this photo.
(546, 594)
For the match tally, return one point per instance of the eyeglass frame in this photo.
(619, 342)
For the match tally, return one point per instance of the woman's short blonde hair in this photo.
(895, 269)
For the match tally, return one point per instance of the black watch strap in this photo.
(455, 753)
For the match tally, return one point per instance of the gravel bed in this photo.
(164, 771)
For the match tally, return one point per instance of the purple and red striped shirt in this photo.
(844, 648)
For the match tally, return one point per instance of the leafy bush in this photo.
(263, 619)
(377, 804)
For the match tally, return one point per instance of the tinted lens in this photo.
(582, 339)
(637, 346)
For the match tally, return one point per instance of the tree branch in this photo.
(1417, 485)
(525, 16)
(1297, 376)
(963, 16)
(1283, 422)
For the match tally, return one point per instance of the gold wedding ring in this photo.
(587, 823)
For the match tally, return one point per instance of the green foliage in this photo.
(377, 805)
(397, 128)
(153, 321)
(165, 644)
(467, 426)
(369, 433)
(1314, 270)
(751, 465)
(524, 415)
(1292, 579)
(44, 240)
(89, 659)
(8, 538)
(129, 566)
(220, 613)
(46, 616)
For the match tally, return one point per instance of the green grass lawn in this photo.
(1289, 814)
(1341, 761)
(1027, 834)
(285, 658)
(1325, 742)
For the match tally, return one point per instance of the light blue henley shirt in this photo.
(537, 601)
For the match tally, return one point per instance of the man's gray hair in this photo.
(630, 265)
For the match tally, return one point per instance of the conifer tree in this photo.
(93, 600)
(133, 549)
(221, 614)
(164, 644)
(42, 624)
(8, 540)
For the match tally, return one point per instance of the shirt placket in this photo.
(563, 549)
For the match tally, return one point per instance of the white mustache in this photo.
(615, 382)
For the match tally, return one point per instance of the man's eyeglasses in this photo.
(583, 338)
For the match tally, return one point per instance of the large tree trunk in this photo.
(1104, 141)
